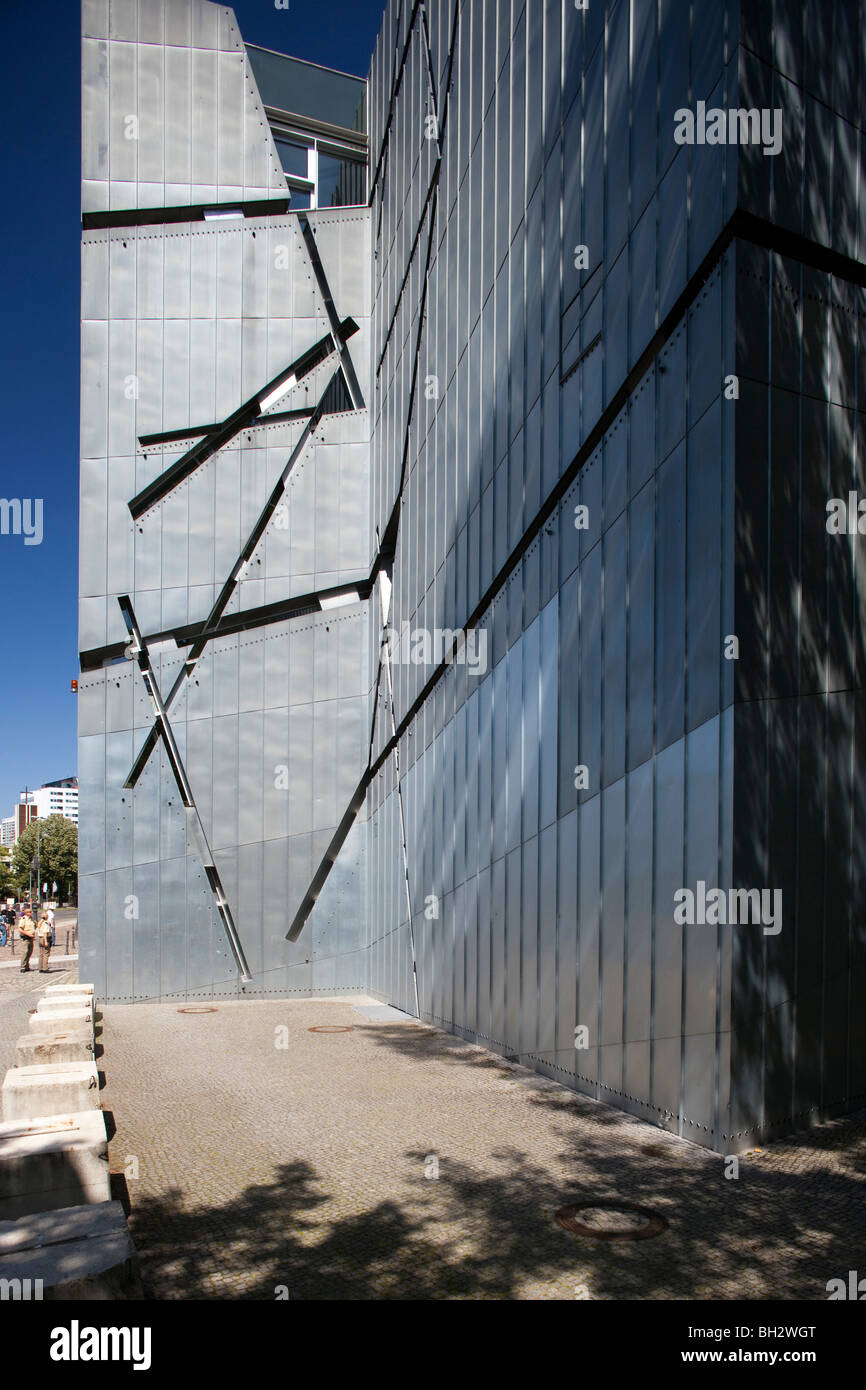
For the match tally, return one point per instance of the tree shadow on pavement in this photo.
(773, 1232)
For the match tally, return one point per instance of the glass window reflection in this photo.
(293, 157)
(342, 182)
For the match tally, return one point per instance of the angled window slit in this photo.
(331, 853)
(396, 82)
(195, 212)
(325, 291)
(318, 602)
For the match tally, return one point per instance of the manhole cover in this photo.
(611, 1221)
(198, 1009)
(331, 1028)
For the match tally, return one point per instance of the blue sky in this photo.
(39, 308)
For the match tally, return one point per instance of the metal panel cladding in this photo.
(224, 711)
(572, 390)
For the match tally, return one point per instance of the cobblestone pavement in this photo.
(301, 1171)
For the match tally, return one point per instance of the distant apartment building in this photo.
(57, 799)
(7, 832)
(51, 799)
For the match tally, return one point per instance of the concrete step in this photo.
(61, 1003)
(80, 1252)
(59, 1088)
(41, 1049)
(60, 1020)
(53, 1161)
(51, 991)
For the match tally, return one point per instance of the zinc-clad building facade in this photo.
(607, 383)
(183, 322)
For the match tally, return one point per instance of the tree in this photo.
(57, 840)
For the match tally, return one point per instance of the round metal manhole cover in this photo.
(331, 1028)
(199, 1009)
(611, 1221)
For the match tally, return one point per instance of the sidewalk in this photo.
(16, 960)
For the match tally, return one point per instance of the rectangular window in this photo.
(341, 183)
(293, 157)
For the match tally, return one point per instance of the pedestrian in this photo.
(50, 915)
(27, 932)
(3, 926)
(43, 933)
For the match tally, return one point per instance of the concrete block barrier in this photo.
(81, 1252)
(59, 1088)
(63, 1003)
(40, 1049)
(52, 991)
(53, 1161)
(60, 1020)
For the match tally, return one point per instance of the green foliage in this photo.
(57, 840)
